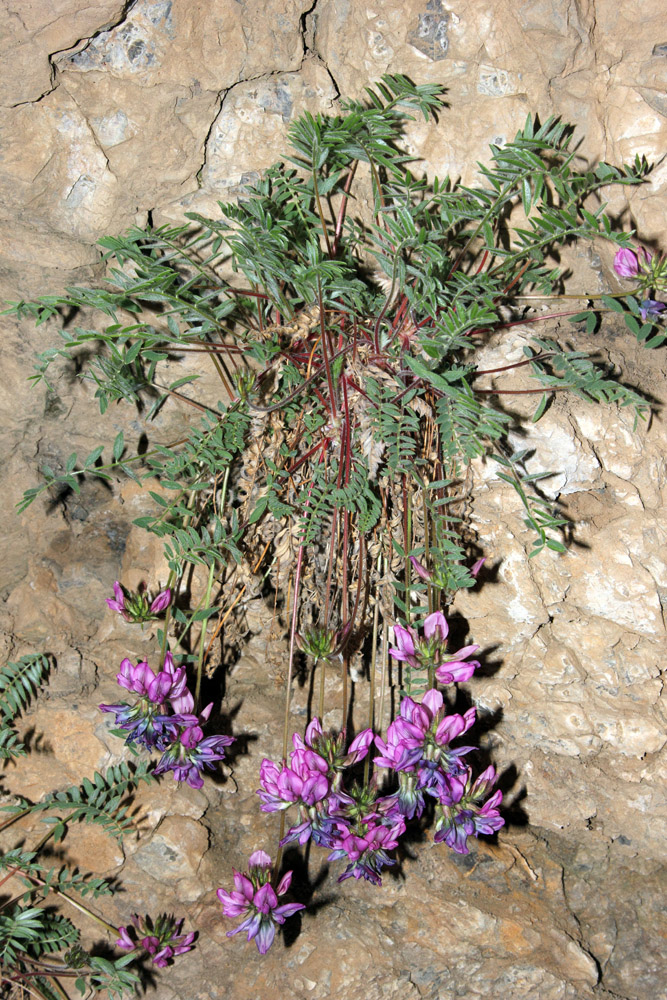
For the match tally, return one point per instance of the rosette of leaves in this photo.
(342, 301)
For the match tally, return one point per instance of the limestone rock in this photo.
(117, 113)
(175, 849)
(34, 32)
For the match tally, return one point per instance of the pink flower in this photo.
(135, 607)
(476, 567)
(358, 748)
(422, 653)
(125, 941)
(455, 670)
(141, 680)
(404, 649)
(420, 569)
(628, 263)
(161, 601)
(117, 602)
(254, 898)
(435, 625)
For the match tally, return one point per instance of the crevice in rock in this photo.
(218, 108)
(308, 28)
(78, 46)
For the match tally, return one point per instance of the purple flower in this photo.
(418, 749)
(476, 567)
(650, 307)
(117, 602)
(366, 846)
(161, 602)
(190, 753)
(312, 782)
(455, 822)
(428, 652)
(180, 697)
(420, 569)
(628, 263)
(305, 784)
(142, 724)
(136, 607)
(254, 899)
(283, 786)
(162, 938)
(155, 687)
(404, 650)
(125, 941)
(358, 748)
(456, 669)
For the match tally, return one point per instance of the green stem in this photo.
(323, 669)
(202, 637)
(40, 882)
(407, 541)
(371, 694)
(288, 684)
(321, 213)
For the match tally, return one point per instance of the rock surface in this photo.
(114, 113)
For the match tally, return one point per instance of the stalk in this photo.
(371, 694)
(202, 637)
(288, 685)
(321, 214)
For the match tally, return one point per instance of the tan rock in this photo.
(174, 851)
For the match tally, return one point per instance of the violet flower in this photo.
(428, 652)
(162, 938)
(161, 602)
(254, 899)
(117, 602)
(142, 721)
(365, 845)
(476, 567)
(135, 607)
(305, 784)
(190, 752)
(417, 747)
(455, 822)
(142, 724)
(180, 698)
(649, 307)
(628, 263)
(312, 782)
(420, 569)
(155, 687)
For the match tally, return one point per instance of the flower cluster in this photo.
(428, 651)
(137, 607)
(347, 823)
(162, 719)
(469, 816)
(145, 721)
(177, 735)
(418, 750)
(254, 898)
(649, 271)
(358, 825)
(161, 939)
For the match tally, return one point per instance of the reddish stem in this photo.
(516, 364)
